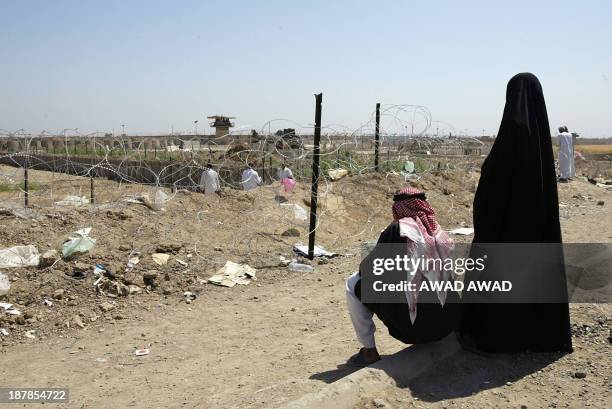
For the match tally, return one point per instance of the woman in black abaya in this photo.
(516, 202)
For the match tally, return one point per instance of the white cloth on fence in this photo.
(250, 179)
(566, 155)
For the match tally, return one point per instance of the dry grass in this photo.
(595, 149)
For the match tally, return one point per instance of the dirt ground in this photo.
(271, 341)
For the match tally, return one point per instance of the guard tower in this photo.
(222, 124)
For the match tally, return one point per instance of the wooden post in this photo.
(315, 176)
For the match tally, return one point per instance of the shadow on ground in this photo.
(431, 377)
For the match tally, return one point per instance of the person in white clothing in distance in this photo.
(250, 178)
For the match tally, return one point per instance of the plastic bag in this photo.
(81, 244)
(19, 256)
(5, 284)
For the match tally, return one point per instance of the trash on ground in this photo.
(142, 352)
(160, 258)
(189, 296)
(337, 174)
(73, 201)
(9, 309)
(21, 213)
(4, 332)
(300, 268)
(285, 261)
(409, 166)
(156, 203)
(233, 273)
(47, 302)
(101, 360)
(181, 262)
(30, 334)
(99, 269)
(111, 288)
(462, 231)
(5, 284)
(80, 244)
(19, 256)
(318, 251)
(299, 212)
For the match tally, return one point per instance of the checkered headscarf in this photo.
(410, 202)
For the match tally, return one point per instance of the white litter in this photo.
(5, 284)
(142, 352)
(48, 303)
(19, 256)
(81, 244)
(181, 262)
(30, 334)
(160, 258)
(299, 212)
(300, 268)
(73, 201)
(318, 251)
(4, 332)
(233, 273)
(337, 174)
(9, 309)
(462, 231)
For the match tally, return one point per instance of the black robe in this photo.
(516, 202)
(433, 322)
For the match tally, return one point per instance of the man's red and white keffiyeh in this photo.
(425, 239)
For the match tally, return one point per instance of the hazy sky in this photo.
(152, 64)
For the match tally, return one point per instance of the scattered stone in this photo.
(600, 203)
(172, 248)
(78, 321)
(58, 294)
(124, 247)
(291, 233)
(48, 258)
(132, 278)
(134, 289)
(149, 277)
(580, 375)
(106, 306)
(379, 403)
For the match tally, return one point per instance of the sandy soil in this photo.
(271, 341)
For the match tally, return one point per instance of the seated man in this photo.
(415, 225)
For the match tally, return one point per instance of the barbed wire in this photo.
(69, 169)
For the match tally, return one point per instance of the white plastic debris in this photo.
(81, 244)
(462, 231)
(5, 284)
(9, 309)
(4, 332)
(299, 212)
(30, 334)
(48, 303)
(160, 258)
(142, 351)
(337, 174)
(300, 268)
(233, 273)
(19, 256)
(318, 251)
(75, 201)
